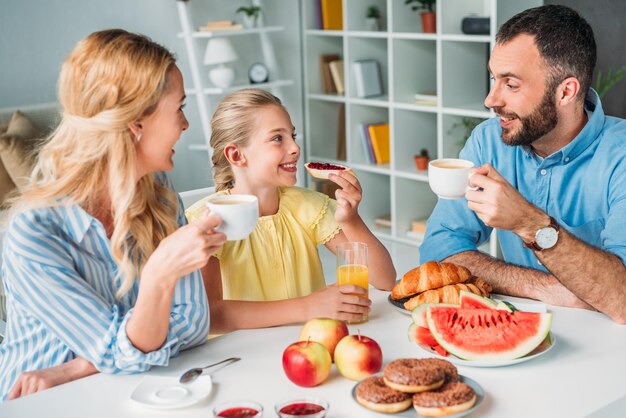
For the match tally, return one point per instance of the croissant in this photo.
(450, 293)
(428, 276)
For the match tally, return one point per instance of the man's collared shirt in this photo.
(583, 186)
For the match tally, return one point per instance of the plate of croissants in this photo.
(435, 282)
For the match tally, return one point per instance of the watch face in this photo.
(258, 73)
(547, 237)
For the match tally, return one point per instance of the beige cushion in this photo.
(17, 148)
(6, 184)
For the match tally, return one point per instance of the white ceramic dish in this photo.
(539, 351)
(165, 392)
(411, 413)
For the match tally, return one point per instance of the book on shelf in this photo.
(341, 132)
(367, 78)
(368, 151)
(221, 25)
(425, 99)
(419, 226)
(317, 13)
(328, 86)
(332, 14)
(336, 71)
(379, 136)
(383, 221)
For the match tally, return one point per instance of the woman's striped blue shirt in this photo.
(58, 275)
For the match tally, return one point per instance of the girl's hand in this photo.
(339, 302)
(186, 250)
(348, 197)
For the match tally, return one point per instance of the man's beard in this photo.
(541, 121)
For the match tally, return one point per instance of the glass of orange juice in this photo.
(352, 266)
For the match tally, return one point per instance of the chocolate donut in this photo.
(449, 370)
(413, 375)
(373, 394)
(450, 398)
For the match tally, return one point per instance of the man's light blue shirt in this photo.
(583, 186)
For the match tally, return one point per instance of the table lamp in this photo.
(220, 51)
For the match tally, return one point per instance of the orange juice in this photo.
(353, 274)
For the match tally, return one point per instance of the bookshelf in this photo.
(449, 63)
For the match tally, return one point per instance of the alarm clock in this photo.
(258, 73)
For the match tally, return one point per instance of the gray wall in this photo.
(36, 36)
(608, 20)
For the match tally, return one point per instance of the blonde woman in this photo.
(275, 276)
(100, 270)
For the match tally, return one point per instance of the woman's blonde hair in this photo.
(110, 80)
(233, 123)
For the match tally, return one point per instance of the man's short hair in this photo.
(564, 39)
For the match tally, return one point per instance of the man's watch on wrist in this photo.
(546, 237)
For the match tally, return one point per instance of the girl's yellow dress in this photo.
(279, 260)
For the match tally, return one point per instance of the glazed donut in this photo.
(450, 398)
(373, 394)
(449, 370)
(413, 375)
(322, 170)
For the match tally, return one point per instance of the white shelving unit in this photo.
(449, 62)
(195, 41)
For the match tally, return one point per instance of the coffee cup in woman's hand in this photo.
(239, 213)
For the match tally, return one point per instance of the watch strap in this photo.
(533, 245)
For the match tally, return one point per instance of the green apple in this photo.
(306, 363)
(325, 331)
(358, 356)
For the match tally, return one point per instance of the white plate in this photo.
(482, 363)
(411, 413)
(165, 392)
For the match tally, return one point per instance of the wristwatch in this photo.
(546, 237)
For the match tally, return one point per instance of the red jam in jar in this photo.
(301, 408)
(238, 413)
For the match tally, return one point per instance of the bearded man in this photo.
(551, 174)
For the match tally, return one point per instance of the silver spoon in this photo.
(192, 374)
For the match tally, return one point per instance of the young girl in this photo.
(100, 271)
(275, 276)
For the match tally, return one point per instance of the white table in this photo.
(583, 373)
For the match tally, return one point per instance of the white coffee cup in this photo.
(239, 213)
(449, 177)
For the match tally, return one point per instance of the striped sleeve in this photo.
(43, 278)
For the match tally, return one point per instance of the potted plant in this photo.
(372, 18)
(605, 82)
(250, 15)
(429, 18)
(421, 160)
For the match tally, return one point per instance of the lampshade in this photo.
(219, 51)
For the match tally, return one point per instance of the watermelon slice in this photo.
(472, 300)
(503, 305)
(487, 334)
(421, 335)
(419, 313)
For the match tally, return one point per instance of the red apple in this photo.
(358, 356)
(325, 331)
(306, 363)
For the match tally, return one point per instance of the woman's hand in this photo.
(186, 250)
(345, 303)
(348, 197)
(38, 380)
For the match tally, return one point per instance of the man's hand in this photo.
(499, 205)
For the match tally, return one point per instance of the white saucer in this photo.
(165, 392)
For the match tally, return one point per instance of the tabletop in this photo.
(583, 373)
